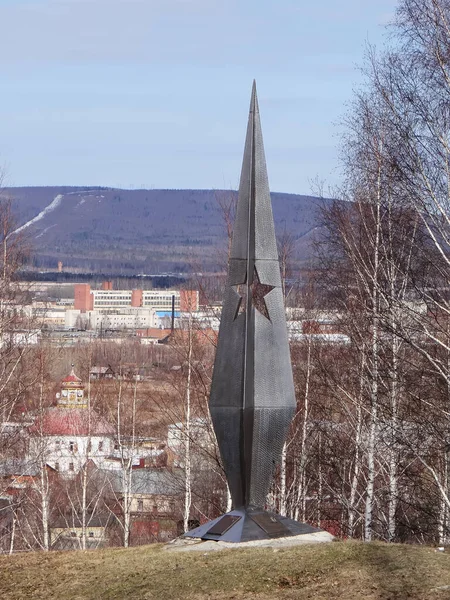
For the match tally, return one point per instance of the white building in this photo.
(46, 313)
(199, 435)
(70, 434)
(203, 319)
(25, 337)
(125, 318)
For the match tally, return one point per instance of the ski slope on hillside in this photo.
(53, 204)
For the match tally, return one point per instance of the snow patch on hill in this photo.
(44, 231)
(54, 204)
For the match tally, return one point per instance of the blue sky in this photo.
(155, 93)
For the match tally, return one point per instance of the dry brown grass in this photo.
(344, 570)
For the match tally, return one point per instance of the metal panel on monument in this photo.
(252, 398)
(223, 525)
(270, 524)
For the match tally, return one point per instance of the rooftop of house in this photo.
(74, 520)
(71, 380)
(12, 467)
(73, 421)
(100, 370)
(149, 482)
(154, 333)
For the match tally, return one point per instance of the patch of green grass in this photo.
(344, 570)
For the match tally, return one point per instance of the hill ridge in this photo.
(141, 230)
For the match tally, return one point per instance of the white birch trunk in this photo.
(127, 503)
(45, 510)
(373, 427)
(283, 480)
(129, 467)
(303, 453)
(393, 454)
(187, 437)
(83, 508)
(13, 534)
(126, 465)
(320, 486)
(84, 480)
(43, 476)
(443, 510)
(355, 476)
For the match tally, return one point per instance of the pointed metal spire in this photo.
(254, 232)
(252, 394)
(252, 398)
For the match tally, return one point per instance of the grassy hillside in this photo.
(344, 570)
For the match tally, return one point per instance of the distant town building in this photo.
(25, 337)
(70, 433)
(204, 319)
(154, 496)
(153, 335)
(101, 373)
(106, 298)
(47, 314)
(123, 318)
(66, 531)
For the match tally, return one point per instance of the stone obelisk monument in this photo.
(252, 398)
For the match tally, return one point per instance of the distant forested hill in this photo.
(133, 231)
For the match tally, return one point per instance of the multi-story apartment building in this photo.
(107, 299)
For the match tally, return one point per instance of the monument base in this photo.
(247, 525)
